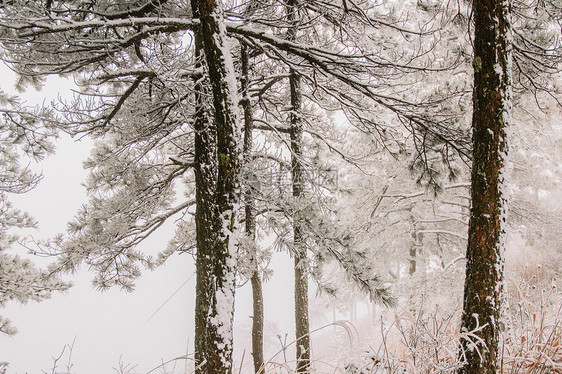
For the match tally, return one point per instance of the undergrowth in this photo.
(426, 343)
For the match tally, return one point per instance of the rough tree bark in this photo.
(491, 117)
(302, 328)
(217, 193)
(250, 218)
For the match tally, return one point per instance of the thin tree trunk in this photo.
(257, 291)
(413, 247)
(257, 322)
(491, 116)
(302, 326)
(217, 193)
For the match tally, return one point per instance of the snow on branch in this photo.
(42, 26)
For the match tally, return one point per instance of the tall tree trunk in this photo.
(302, 328)
(257, 291)
(205, 214)
(492, 107)
(217, 172)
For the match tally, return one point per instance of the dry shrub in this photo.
(531, 341)
(533, 328)
(429, 344)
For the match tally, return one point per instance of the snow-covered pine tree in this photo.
(324, 238)
(138, 86)
(277, 110)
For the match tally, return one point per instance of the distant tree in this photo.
(413, 237)
(535, 207)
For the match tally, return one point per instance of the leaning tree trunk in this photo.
(491, 117)
(217, 192)
(302, 328)
(250, 218)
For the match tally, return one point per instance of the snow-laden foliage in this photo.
(133, 188)
(140, 164)
(136, 70)
(330, 240)
(24, 139)
(378, 76)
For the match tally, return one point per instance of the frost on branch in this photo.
(24, 137)
(132, 190)
(22, 281)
